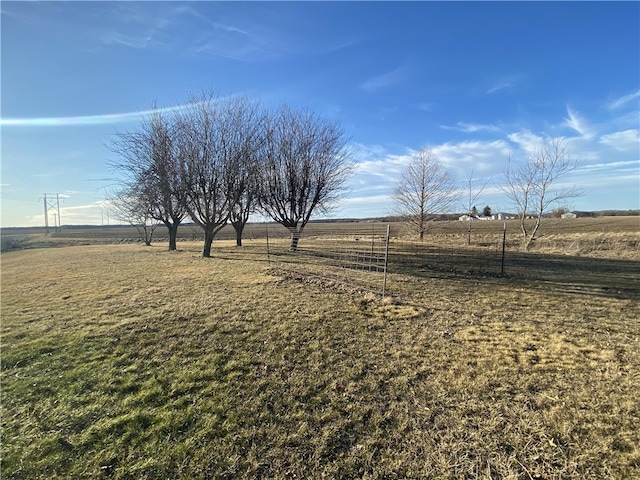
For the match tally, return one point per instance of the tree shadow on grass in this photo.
(592, 276)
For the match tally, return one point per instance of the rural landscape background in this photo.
(126, 361)
(477, 82)
(231, 246)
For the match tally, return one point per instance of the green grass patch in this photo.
(123, 361)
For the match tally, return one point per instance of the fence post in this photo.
(268, 256)
(386, 262)
(504, 241)
(373, 239)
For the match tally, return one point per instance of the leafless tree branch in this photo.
(426, 187)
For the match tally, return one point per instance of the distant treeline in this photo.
(617, 213)
(385, 219)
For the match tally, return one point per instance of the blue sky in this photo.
(477, 82)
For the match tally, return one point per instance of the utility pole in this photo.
(46, 215)
(58, 203)
(50, 205)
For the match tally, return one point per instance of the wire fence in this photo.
(448, 254)
(363, 254)
(355, 255)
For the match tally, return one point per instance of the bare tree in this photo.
(149, 162)
(532, 185)
(131, 207)
(244, 189)
(215, 135)
(474, 189)
(425, 188)
(244, 192)
(304, 168)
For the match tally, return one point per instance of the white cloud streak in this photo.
(117, 38)
(505, 83)
(528, 141)
(624, 100)
(626, 140)
(425, 106)
(385, 80)
(472, 127)
(577, 123)
(499, 86)
(86, 120)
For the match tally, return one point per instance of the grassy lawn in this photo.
(124, 361)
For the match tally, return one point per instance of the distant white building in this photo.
(569, 215)
(495, 216)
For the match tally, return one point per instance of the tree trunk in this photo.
(523, 229)
(238, 227)
(422, 225)
(208, 240)
(295, 238)
(173, 235)
(532, 235)
(148, 235)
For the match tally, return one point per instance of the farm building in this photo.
(495, 216)
(576, 214)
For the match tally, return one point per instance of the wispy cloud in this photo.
(622, 101)
(482, 156)
(498, 87)
(234, 38)
(577, 123)
(90, 214)
(235, 44)
(138, 27)
(425, 106)
(387, 167)
(133, 41)
(385, 80)
(626, 140)
(471, 127)
(504, 84)
(622, 166)
(600, 166)
(188, 10)
(135, 13)
(526, 140)
(86, 120)
(375, 163)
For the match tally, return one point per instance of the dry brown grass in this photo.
(123, 361)
(606, 237)
(619, 245)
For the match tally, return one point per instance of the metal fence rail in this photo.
(357, 258)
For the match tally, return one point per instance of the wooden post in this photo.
(386, 263)
(268, 253)
(504, 241)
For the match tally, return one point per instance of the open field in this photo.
(124, 361)
(612, 237)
